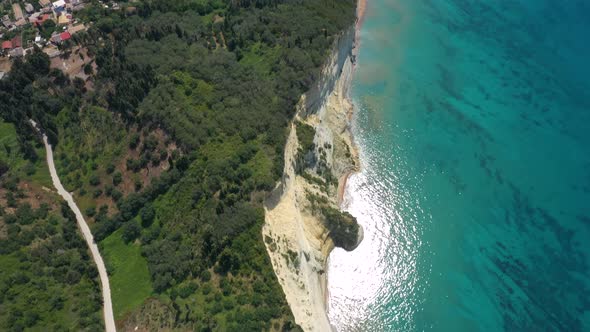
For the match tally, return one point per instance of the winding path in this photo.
(109, 320)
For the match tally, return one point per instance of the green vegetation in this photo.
(129, 276)
(305, 152)
(12, 158)
(343, 227)
(88, 139)
(48, 281)
(305, 134)
(173, 143)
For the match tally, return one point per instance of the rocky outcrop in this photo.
(302, 220)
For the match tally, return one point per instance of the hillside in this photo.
(48, 279)
(172, 143)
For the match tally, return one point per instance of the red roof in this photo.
(17, 42)
(7, 44)
(42, 19)
(65, 36)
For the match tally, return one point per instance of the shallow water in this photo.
(474, 127)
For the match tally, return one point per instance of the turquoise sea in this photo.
(473, 120)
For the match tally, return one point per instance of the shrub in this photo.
(110, 168)
(133, 141)
(205, 275)
(97, 193)
(147, 214)
(117, 178)
(94, 180)
(343, 227)
(91, 211)
(116, 195)
(131, 231)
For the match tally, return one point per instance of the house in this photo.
(44, 3)
(72, 29)
(17, 42)
(20, 22)
(78, 7)
(18, 12)
(130, 10)
(63, 19)
(16, 52)
(65, 36)
(58, 38)
(29, 8)
(34, 16)
(5, 47)
(16, 47)
(55, 38)
(51, 51)
(6, 21)
(40, 19)
(59, 6)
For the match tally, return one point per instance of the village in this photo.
(50, 26)
(53, 21)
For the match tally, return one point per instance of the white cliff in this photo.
(296, 238)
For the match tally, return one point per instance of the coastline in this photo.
(360, 14)
(296, 238)
(343, 180)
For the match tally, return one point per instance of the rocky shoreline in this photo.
(303, 222)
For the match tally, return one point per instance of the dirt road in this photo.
(109, 320)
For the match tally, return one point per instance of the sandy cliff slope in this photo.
(297, 240)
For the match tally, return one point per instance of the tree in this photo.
(39, 61)
(205, 276)
(147, 214)
(3, 167)
(110, 168)
(133, 141)
(88, 69)
(91, 211)
(94, 180)
(131, 231)
(117, 178)
(73, 277)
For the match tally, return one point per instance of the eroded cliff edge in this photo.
(303, 221)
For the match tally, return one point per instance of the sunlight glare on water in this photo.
(473, 126)
(384, 261)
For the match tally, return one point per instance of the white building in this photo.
(59, 5)
(29, 8)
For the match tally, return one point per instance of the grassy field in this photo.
(129, 276)
(41, 175)
(9, 148)
(260, 57)
(8, 143)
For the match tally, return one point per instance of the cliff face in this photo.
(302, 219)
